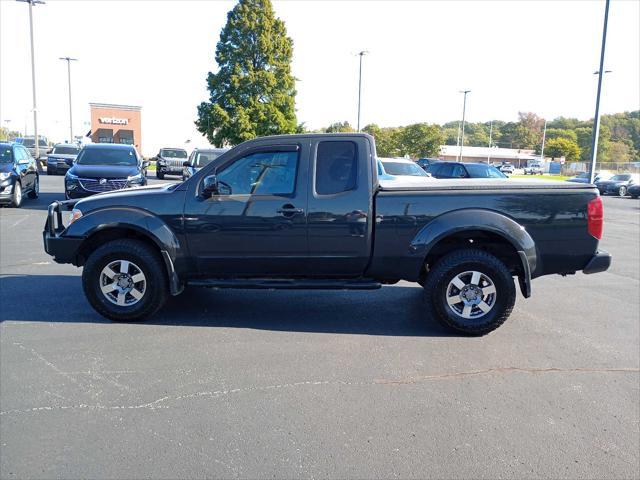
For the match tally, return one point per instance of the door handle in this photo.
(289, 210)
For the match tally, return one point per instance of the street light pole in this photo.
(69, 60)
(361, 54)
(464, 110)
(544, 137)
(490, 137)
(33, 80)
(596, 119)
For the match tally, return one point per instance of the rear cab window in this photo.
(336, 168)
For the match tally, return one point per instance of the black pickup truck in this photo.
(309, 212)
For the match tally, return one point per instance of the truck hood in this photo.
(6, 167)
(122, 197)
(104, 171)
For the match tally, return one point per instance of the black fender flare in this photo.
(139, 220)
(481, 220)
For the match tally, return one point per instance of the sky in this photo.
(514, 56)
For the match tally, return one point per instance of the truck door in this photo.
(257, 224)
(340, 206)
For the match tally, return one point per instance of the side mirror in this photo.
(145, 163)
(210, 186)
(186, 164)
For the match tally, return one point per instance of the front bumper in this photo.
(63, 249)
(600, 262)
(169, 170)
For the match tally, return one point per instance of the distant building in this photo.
(517, 157)
(116, 124)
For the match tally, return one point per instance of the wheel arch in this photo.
(109, 224)
(478, 228)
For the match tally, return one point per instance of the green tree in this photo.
(562, 147)
(528, 131)
(340, 127)
(387, 139)
(421, 140)
(6, 134)
(253, 92)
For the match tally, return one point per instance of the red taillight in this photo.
(595, 217)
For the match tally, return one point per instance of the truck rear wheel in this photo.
(470, 291)
(124, 280)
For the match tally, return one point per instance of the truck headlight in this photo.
(74, 215)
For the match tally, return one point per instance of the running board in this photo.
(286, 283)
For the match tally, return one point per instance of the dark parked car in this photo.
(583, 177)
(427, 163)
(170, 161)
(308, 212)
(465, 170)
(103, 167)
(634, 190)
(61, 158)
(18, 174)
(199, 158)
(618, 184)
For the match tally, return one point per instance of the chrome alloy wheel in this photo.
(123, 283)
(471, 294)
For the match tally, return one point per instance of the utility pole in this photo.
(490, 136)
(361, 54)
(544, 137)
(596, 119)
(33, 80)
(69, 60)
(464, 110)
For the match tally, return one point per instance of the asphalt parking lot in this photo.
(316, 384)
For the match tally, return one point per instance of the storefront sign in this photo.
(114, 121)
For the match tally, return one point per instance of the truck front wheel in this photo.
(470, 291)
(124, 280)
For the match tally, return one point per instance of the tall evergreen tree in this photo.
(253, 92)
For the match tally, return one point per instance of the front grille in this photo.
(93, 185)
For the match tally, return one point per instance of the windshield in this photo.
(30, 142)
(204, 158)
(484, 171)
(621, 178)
(6, 155)
(173, 153)
(401, 168)
(107, 156)
(66, 150)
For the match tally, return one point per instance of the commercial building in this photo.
(517, 157)
(112, 123)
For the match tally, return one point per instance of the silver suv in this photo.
(170, 161)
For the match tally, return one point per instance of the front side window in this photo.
(107, 156)
(484, 171)
(336, 167)
(445, 171)
(459, 172)
(261, 173)
(621, 178)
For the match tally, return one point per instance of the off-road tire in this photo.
(35, 191)
(447, 268)
(51, 171)
(142, 255)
